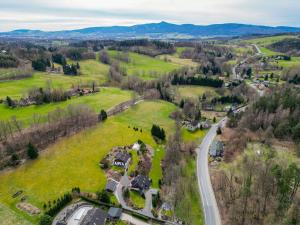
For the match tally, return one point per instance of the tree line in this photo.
(7, 61)
(197, 80)
(14, 137)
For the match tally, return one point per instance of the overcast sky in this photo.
(71, 14)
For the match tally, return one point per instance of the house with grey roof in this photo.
(122, 159)
(111, 185)
(216, 149)
(141, 183)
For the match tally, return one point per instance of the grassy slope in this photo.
(106, 98)
(74, 161)
(195, 91)
(268, 40)
(9, 217)
(91, 71)
(143, 66)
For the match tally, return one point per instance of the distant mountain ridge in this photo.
(155, 30)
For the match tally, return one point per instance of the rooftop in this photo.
(94, 216)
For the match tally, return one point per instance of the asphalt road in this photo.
(210, 207)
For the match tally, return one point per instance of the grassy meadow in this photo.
(264, 41)
(91, 70)
(74, 161)
(195, 92)
(105, 99)
(9, 217)
(146, 67)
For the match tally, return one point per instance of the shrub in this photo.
(102, 116)
(219, 131)
(32, 151)
(46, 220)
(103, 196)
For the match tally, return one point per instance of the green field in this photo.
(146, 67)
(94, 68)
(105, 99)
(196, 91)
(295, 61)
(91, 70)
(9, 217)
(73, 161)
(268, 40)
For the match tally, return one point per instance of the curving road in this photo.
(210, 207)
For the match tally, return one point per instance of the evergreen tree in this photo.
(46, 220)
(32, 151)
(158, 132)
(10, 102)
(102, 116)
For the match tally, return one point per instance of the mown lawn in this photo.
(156, 172)
(146, 67)
(137, 199)
(193, 136)
(73, 162)
(105, 99)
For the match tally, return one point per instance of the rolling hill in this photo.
(154, 30)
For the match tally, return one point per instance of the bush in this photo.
(126, 193)
(103, 196)
(32, 151)
(102, 116)
(46, 220)
(219, 131)
(10, 102)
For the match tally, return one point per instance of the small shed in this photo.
(114, 213)
(136, 146)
